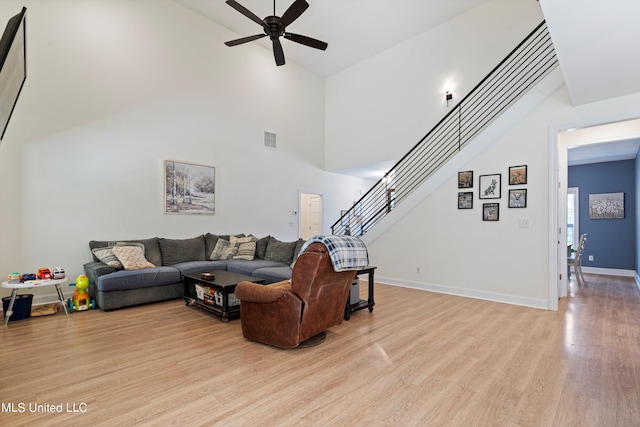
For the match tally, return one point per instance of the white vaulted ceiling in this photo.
(354, 29)
(597, 41)
(598, 46)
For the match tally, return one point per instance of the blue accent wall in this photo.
(612, 242)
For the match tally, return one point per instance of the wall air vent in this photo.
(269, 140)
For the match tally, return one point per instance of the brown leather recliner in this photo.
(286, 313)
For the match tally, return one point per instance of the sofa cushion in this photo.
(261, 247)
(248, 267)
(151, 248)
(296, 252)
(273, 274)
(131, 257)
(133, 279)
(175, 251)
(280, 251)
(194, 268)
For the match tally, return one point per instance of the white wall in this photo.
(378, 109)
(457, 252)
(114, 89)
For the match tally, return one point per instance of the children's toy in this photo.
(58, 273)
(81, 300)
(14, 277)
(27, 276)
(44, 274)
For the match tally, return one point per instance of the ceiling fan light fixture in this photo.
(274, 27)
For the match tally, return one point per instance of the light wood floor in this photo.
(419, 359)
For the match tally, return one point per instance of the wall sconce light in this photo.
(448, 96)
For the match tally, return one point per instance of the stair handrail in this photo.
(528, 63)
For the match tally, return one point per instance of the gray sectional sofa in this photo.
(113, 286)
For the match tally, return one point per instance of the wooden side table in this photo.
(30, 284)
(362, 304)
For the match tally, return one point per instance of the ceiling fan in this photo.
(274, 27)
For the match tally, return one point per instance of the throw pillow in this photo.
(223, 250)
(280, 251)
(107, 256)
(151, 248)
(131, 257)
(246, 251)
(238, 240)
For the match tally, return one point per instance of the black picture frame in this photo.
(465, 200)
(491, 211)
(518, 175)
(490, 186)
(465, 179)
(518, 198)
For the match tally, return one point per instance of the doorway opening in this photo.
(561, 139)
(310, 215)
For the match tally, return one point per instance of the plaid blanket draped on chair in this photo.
(346, 252)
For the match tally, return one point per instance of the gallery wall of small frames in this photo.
(490, 189)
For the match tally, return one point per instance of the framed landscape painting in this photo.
(518, 175)
(189, 188)
(606, 206)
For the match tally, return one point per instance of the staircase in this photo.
(531, 61)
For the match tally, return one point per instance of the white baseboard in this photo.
(469, 293)
(49, 298)
(609, 271)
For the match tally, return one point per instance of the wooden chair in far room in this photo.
(575, 260)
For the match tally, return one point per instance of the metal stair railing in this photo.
(520, 71)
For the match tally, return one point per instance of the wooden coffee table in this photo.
(216, 295)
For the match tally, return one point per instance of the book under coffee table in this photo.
(216, 295)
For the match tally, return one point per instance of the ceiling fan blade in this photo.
(307, 41)
(244, 40)
(294, 12)
(246, 12)
(278, 53)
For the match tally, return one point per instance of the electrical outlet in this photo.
(418, 270)
(590, 257)
(524, 222)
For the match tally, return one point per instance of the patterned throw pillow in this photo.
(223, 250)
(246, 251)
(131, 257)
(107, 256)
(239, 240)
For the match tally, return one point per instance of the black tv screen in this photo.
(13, 66)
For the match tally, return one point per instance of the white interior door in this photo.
(310, 215)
